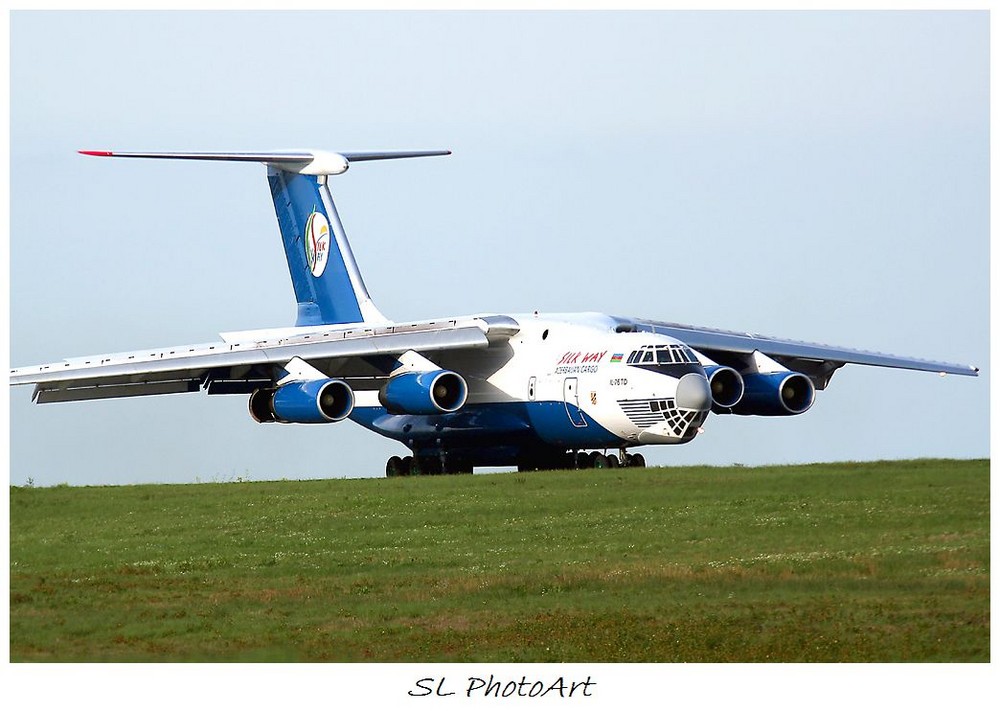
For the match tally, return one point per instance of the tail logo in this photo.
(317, 243)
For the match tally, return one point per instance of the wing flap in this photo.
(45, 394)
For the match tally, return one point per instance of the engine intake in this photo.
(726, 385)
(774, 394)
(304, 402)
(430, 393)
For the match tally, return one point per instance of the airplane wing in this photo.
(816, 360)
(230, 367)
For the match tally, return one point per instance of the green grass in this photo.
(884, 561)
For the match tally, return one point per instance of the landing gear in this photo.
(417, 466)
(636, 461)
(599, 460)
(531, 460)
(394, 467)
(399, 466)
(405, 466)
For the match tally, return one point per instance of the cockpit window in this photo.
(663, 354)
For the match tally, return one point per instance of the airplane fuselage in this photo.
(565, 382)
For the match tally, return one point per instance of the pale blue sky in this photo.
(822, 176)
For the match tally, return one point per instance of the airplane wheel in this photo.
(600, 461)
(409, 466)
(637, 461)
(613, 462)
(394, 467)
(585, 460)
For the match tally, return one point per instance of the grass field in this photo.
(884, 561)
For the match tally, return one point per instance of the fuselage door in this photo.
(532, 382)
(571, 397)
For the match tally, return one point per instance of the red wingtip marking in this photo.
(105, 154)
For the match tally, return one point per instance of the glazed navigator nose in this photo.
(694, 393)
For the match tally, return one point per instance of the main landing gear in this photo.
(414, 466)
(584, 460)
(598, 460)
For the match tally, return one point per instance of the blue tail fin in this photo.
(327, 283)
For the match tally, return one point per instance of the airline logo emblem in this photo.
(579, 362)
(317, 243)
(617, 358)
(581, 357)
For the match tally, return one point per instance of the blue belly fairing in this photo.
(516, 425)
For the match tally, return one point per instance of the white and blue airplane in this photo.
(539, 391)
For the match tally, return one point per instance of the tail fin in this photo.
(326, 279)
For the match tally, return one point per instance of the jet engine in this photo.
(430, 393)
(303, 402)
(783, 393)
(726, 385)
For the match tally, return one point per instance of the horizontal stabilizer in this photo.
(305, 162)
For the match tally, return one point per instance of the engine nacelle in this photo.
(784, 393)
(429, 393)
(304, 402)
(726, 385)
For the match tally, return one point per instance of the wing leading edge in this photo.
(816, 360)
(229, 368)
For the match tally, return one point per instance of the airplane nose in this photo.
(693, 392)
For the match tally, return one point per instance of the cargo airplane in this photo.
(539, 391)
